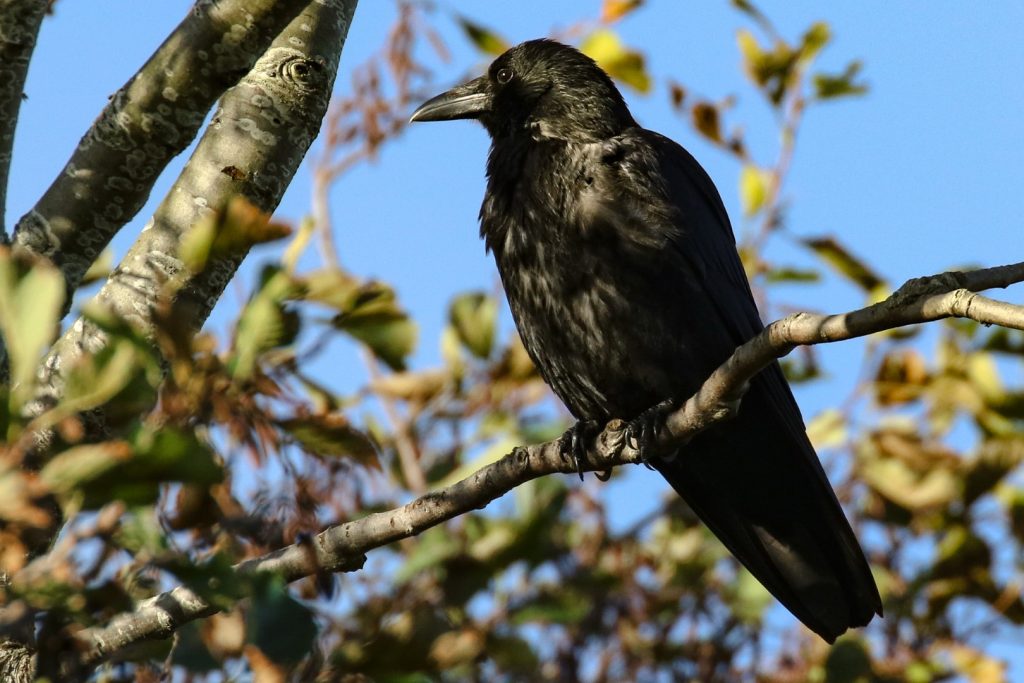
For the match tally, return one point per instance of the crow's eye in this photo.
(504, 75)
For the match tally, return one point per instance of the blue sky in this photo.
(921, 174)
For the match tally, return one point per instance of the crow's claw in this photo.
(572, 446)
(642, 432)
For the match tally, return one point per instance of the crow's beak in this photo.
(466, 101)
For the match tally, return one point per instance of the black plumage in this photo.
(621, 271)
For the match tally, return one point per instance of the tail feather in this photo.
(758, 485)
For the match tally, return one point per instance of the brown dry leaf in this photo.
(613, 10)
(224, 634)
(451, 649)
(264, 670)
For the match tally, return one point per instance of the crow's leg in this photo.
(573, 444)
(642, 431)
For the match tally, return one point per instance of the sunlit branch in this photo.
(342, 547)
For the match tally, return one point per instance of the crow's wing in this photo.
(755, 481)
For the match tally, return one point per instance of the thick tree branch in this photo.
(19, 28)
(342, 547)
(147, 122)
(258, 138)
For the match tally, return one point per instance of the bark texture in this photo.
(19, 27)
(150, 120)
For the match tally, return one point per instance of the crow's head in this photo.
(540, 89)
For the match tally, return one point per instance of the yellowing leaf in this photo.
(621, 63)
(416, 387)
(895, 481)
(815, 38)
(100, 268)
(754, 184)
(31, 300)
(484, 39)
(984, 377)
(298, 244)
(76, 466)
(491, 454)
(977, 666)
(846, 264)
(827, 429)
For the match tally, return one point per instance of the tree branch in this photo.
(342, 547)
(149, 121)
(19, 27)
(259, 136)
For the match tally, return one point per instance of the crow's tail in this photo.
(758, 485)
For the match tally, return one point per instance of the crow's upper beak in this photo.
(466, 101)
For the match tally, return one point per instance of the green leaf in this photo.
(31, 301)
(749, 598)
(190, 653)
(122, 377)
(391, 339)
(265, 323)
(331, 435)
(230, 232)
(605, 47)
(333, 288)
(131, 470)
(474, 316)
(280, 626)
(512, 654)
(791, 274)
(140, 533)
(754, 184)
(849, 266)
(214, 579)
(831, 86)
(484, 39)
(561, 605)
(374, 318)
(433, 548)
(848, 662)
(173, 454)
(960, 553)
(78, 466)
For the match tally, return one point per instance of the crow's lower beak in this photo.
(466, 101)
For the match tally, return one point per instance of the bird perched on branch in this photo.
(621, 271)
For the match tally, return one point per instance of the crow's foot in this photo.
(642, 431)
(573, 444)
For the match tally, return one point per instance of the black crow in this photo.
(621, 270)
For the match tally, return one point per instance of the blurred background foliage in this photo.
(250, 449)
